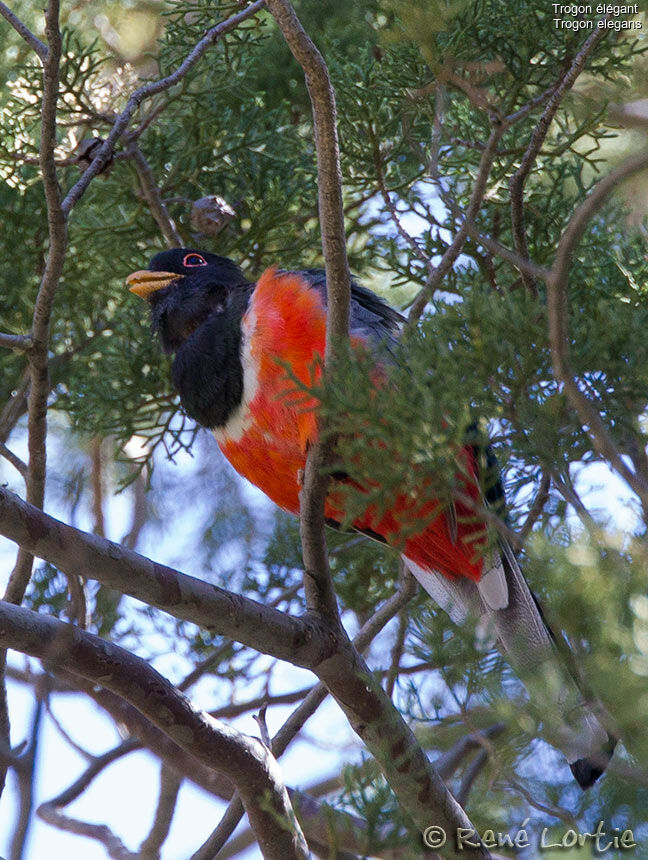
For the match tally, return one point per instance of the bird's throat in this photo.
(208, 372)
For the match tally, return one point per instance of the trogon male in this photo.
(234, 342)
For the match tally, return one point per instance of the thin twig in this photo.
(152, 195)
(14, 459)
(558, 322)
(557, 811)
(24, 31)
(391, 207)
(454, 249)
(536, 509)
(517, 180)
(170, 782)
(495, 247)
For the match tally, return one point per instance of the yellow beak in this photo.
(144, 283)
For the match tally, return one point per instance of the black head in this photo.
(184, 288)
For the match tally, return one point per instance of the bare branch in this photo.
(531, 105)
(470, 775)
(517, 180)
(23, 31)
(145, 92)
(115, 848)
(246, 762)
(557, 314)
(535, 511)
(25, 767)
(557, 811)
(96, 766)
(456, 246)
(318, 587)
(391, 206)
(153, 197)
(170, 782)
(38, 353)
(97, 482)
(299, 641)
(14, 459)
(329, 175)
(495, 247)
(19, 342)
(447, 763)
(226, 826)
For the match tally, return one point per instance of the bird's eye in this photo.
(193, 260)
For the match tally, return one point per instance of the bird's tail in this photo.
(504, 603)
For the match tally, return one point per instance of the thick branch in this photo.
(244, 760)
(322, 823)
(231, 615)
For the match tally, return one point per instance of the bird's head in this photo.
(184, 288)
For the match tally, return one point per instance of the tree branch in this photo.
(558, 322)
(536, 509)
(226, 826)
(19, 342)
(144, 92)
(38, 353)
(25, 768)
(153, 197)
(453, 250)
(170, 782)
(23, 31)
(517, 180)
(299, 641)
(245, 761)
(15, 461)
(320, 595)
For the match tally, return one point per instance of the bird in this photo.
(245, 355)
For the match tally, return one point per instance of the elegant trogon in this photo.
(244, 353)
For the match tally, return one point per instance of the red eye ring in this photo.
(190, 261)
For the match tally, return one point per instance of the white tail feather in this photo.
(503, 603)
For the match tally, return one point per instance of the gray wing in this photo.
(371, 316)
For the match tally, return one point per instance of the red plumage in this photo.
(285, 327)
